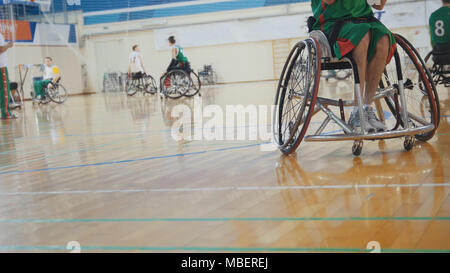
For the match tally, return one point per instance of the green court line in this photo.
(229, 219)
(215, 249)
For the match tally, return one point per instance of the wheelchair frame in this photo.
(318, 42)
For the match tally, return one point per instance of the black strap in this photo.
(310, 23)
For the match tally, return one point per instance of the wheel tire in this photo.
(408, 144)
(181, 87)
(131, 87)
(357, 148)
(428, 73)
(59, 95)
(196, 85)
(412, 87)
(150, 86)
(310, 67)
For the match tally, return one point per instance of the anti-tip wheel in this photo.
(357, 148)
(409, 143)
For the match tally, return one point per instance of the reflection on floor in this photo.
(104, 170)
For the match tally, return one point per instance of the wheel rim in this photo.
(179, 84)
(418, 92)
(296, 97)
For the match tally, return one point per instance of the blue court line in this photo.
(213, 249)
(229, 219)
(95, 147)
(130, 160)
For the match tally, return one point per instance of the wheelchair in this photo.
(140, 82)
(57, 93)
(439, 62)
(180, 82)
(405, 94)
(208, 75)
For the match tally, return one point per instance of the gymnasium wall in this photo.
(242, 45)
(34, 41)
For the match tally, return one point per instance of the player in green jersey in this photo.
(179, 60)
(362, 37)
(440, 34)
(440, 24)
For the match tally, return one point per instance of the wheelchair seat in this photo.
(324, 45)
(137, 75)
(441, 54)
(329, 61)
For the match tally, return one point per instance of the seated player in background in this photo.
(440, 33)
(136, 63)
(353, 31)
(51, 76)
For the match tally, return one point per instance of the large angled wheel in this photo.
(196, 85)
(296, 95)
(57, 93)
(419, 94)
(150, 85)
(175, 83)
(427, 72)
(132, 86)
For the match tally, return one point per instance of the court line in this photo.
(130, 160)
(223, 219)
(89, 148)
(230, 188)
(215, 249)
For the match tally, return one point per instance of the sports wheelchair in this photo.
(140, 82)
(57, 93)
(179, 82)
(439, 62)
(406, 100)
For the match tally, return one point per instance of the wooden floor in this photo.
(103, 170)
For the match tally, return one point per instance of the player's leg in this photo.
(381, 48)
(359, 55)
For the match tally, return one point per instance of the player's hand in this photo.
(50, 85)
(10, 44)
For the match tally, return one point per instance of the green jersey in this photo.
(340, 9)
(440, 26)
(181, 57)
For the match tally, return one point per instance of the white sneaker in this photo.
(374, 121)
(355, 121)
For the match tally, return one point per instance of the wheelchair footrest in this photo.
(373, 136)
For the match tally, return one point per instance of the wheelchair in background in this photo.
(438, 61)
(208, 75)
(405, 93)
(140, 82)
(57, 93)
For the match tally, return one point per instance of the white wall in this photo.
(67, 58)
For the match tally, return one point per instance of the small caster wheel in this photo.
(409, 143)
(357, 148)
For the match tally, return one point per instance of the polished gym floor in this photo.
(104, 171)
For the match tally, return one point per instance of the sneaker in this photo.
(355, 122)
(374, 121)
